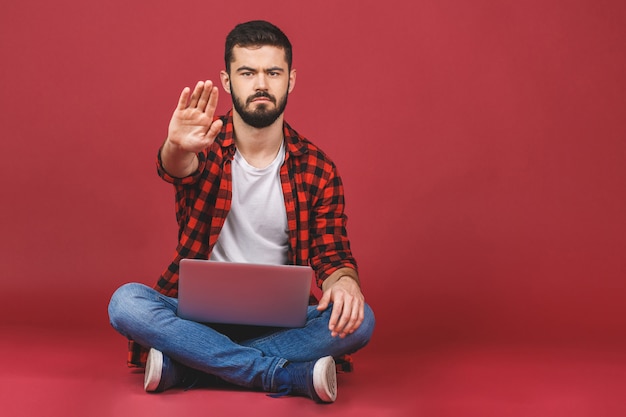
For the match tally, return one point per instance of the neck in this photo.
(258, 146)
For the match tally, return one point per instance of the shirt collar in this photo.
(295, 144)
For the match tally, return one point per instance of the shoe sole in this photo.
(154, 367)
(325, 379)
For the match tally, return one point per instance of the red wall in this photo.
(482, 146)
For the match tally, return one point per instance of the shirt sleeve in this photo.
(330, 246)
(186, 189)
(194, 177)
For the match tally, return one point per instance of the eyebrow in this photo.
(245, 68)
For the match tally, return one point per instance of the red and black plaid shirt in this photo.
(314, 201)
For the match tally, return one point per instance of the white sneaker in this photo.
(325, 379)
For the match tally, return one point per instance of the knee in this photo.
(366, 329)
(362, 335)
(122, 300)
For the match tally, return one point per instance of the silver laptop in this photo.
(240, 293)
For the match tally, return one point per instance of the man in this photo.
(249, 188)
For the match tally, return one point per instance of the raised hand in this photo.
(191, 129)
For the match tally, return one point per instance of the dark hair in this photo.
(256, 33)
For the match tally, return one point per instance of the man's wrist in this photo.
(340, 274)
(176, 161)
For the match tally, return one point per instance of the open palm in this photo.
(192, 127)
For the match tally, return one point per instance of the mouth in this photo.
(261, 97)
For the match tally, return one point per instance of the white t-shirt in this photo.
(255, 230)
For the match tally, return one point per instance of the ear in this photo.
(292, 80)
(225, 81)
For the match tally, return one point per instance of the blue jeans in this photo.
(246, 356)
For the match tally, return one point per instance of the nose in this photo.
(260, 82)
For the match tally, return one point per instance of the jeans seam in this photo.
(281, 363)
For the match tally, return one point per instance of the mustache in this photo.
(261, 94)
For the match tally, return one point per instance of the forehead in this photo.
(265, 56)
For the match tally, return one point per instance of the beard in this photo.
(261, 116)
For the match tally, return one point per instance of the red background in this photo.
(482, 146)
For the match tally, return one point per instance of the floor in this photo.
(75, 372)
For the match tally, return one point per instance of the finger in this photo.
(361, 318)
(212, 105)
(335, 316)
(183, 99)
(345, 318)
(204, 95)
(197, 92)
(214, 130)
(324, 301)
(358, 315)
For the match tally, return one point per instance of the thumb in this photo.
(324, 301)
(214, 129)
